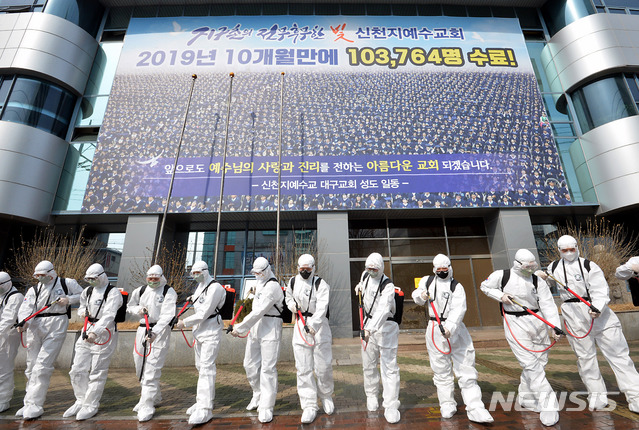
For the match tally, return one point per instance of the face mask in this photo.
(569, 256)
(199, 277)
(45, 279)
(261, 276)
(442, 275)
(305, 274)
(4, 287)
(153, 284)
(373, 273)
(93, 282)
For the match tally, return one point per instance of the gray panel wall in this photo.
(139, 242)
(590, 47)
(508, 231)
(333, 265)
(611, 154)
(31, 162)
(46, 46)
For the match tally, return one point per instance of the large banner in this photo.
(368, 112)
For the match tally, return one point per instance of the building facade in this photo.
(95, 95)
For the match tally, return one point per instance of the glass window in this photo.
(363, 248)
(249, 9)
(479, 11)
(353, 9)
(563, 145)
(630, 79)
(378, 9)
(327, 9)
(617, 11)
(222, 9)
(559, 14)
(417, 247)
(275, 9)
(469, 246)
(553, 113)
(364, 229)
(118, 18)
(465, 227)
(603, 101)
(429, 9)
(454, 10)
(404, 9)
(40, 104)
(427, 227)
(169, 11)
(301, 9)
(562, 129)
(196, 10)
(75, 176)
(528, 17)
(5, 85)
(145, 11)
(86, 15)
(621, 3)
(534, 52)
(503, 12)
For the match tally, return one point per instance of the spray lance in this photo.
(556, 329)
(21, 323)
(564, 286)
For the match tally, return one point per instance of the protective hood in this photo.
(5, 282)
(565, 242)
(156, 270)
(97, 271)
(306, 260)
(525, 263)
(375, 261)
(203, 269)
(441, 261)
(262, 270)
(45, 268)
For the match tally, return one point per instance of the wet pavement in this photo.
(498, 377)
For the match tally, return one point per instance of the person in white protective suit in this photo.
(10, 301)
(630, 272)
(158, 301)
(93, 351)
(264, 324)
(586, 279)
(208, 299)
(45, 333)
(525, 333)
(449, 298)
(381, 338)
(312, 348)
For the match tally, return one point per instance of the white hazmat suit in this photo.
(159, 300)
(10, 301)
(45, 333)
(383, 337)
(91, 361)
(263, 344)
(208, 299)
(630, 272)
(312, 350)
(522, 328)
(450, 303)
(606, 330)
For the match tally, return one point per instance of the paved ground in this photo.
(499, 375)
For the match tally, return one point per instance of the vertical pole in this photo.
(175, 163)
(223, 167)
(279, 183)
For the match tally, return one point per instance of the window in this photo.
(39, 104)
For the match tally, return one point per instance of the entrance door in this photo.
(470, 272)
